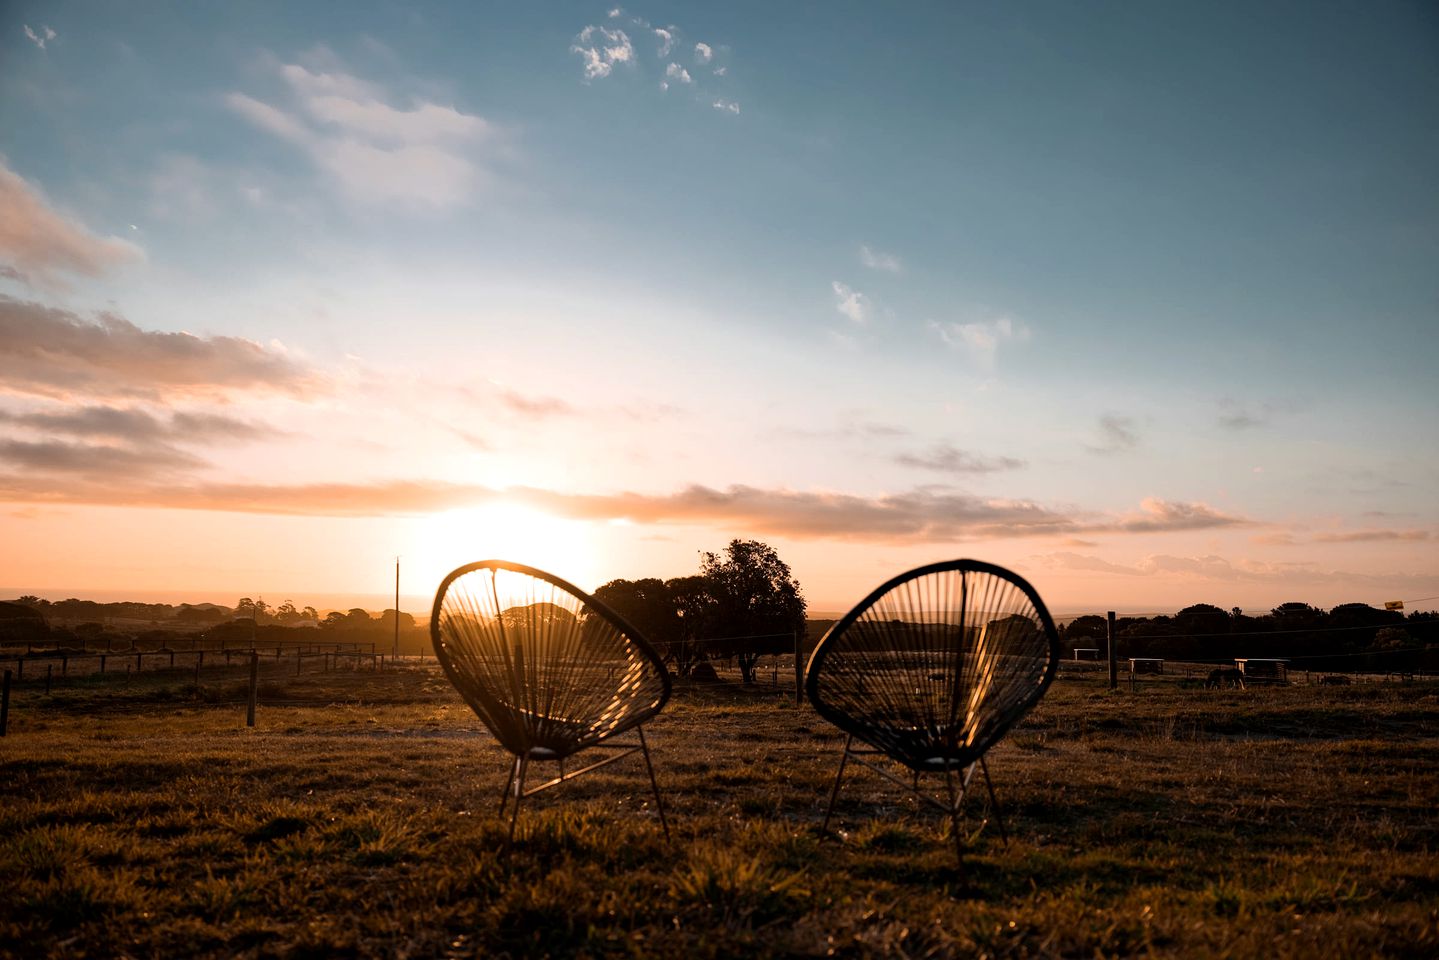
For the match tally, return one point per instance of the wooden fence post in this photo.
(798, 673)
(5, 705)
(254, 685)
(49, 670)
(1113, 655)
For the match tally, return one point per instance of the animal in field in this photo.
(1224, 677)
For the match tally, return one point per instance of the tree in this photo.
(649, 606)
(1090, 630)
(387, 620)
(245, 608)
(357, 617)
(757, 605)
(309, 613)
(286, 612)
(333, 620)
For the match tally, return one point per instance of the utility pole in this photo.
(396, 652)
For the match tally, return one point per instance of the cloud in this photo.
(40, 39)
(1372, 536)
(667, 41)
(923, 515)
(103, 462)
(704, 53)
(39, 245)
(1212, 568)
(51, 352)
(536, 407)
(981, 341)
(599, 57)
(423, 157)
(944, 458)
(677, 73)
(726, 106)
(139, 426)
(1156, 515)
(1275, 540)
(853, 304)
(879, 260)
(1117, 434)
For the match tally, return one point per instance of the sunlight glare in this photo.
(504, 531)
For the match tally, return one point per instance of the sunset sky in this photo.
(1140, 300)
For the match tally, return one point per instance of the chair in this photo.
(550, 670)
(931, 670)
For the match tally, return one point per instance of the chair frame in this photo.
(958, 773)
(515, 784)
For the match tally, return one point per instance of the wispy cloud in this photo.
(600, 48)
(1156, 515)
(104, 462)
(51, 352)
(923, 515)
(1117, 434)
(944, 458)
(704, 53)
(726, 106)
(851, 303)
(1216, 569)
(981, 341)
(41, 37)
(40, 246)
(677, 73)
(879, 260)
(536, 407)
(137, 425)
(667, 42)
(1372, 536)
(427, 156)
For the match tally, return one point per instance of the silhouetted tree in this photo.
(651, 608)
(758, 607)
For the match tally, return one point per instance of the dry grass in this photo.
(143, 819)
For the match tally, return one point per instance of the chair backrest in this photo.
(547, 667)
(935, 665)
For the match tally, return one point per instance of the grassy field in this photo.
(142, 818)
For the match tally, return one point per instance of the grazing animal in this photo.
(1224, 677)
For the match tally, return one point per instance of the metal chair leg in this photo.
(834, 793)
(654, 784)
(954, 818)
(994, 801)
(505, 796)
(519, 795)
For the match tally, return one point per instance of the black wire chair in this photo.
(931, 670)
(549, 669)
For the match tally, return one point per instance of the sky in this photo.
(1137, 300)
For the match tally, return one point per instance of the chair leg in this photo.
(519, 795)
(834, 792)
(654, 784)
(994, 801)
(505, 796)
(954, 818)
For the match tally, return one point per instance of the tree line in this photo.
(1351, 636)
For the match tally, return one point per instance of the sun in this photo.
(503, 531)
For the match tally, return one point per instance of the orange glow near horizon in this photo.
(502, 531)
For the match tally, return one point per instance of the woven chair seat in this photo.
(549, 669)
(934, 667)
